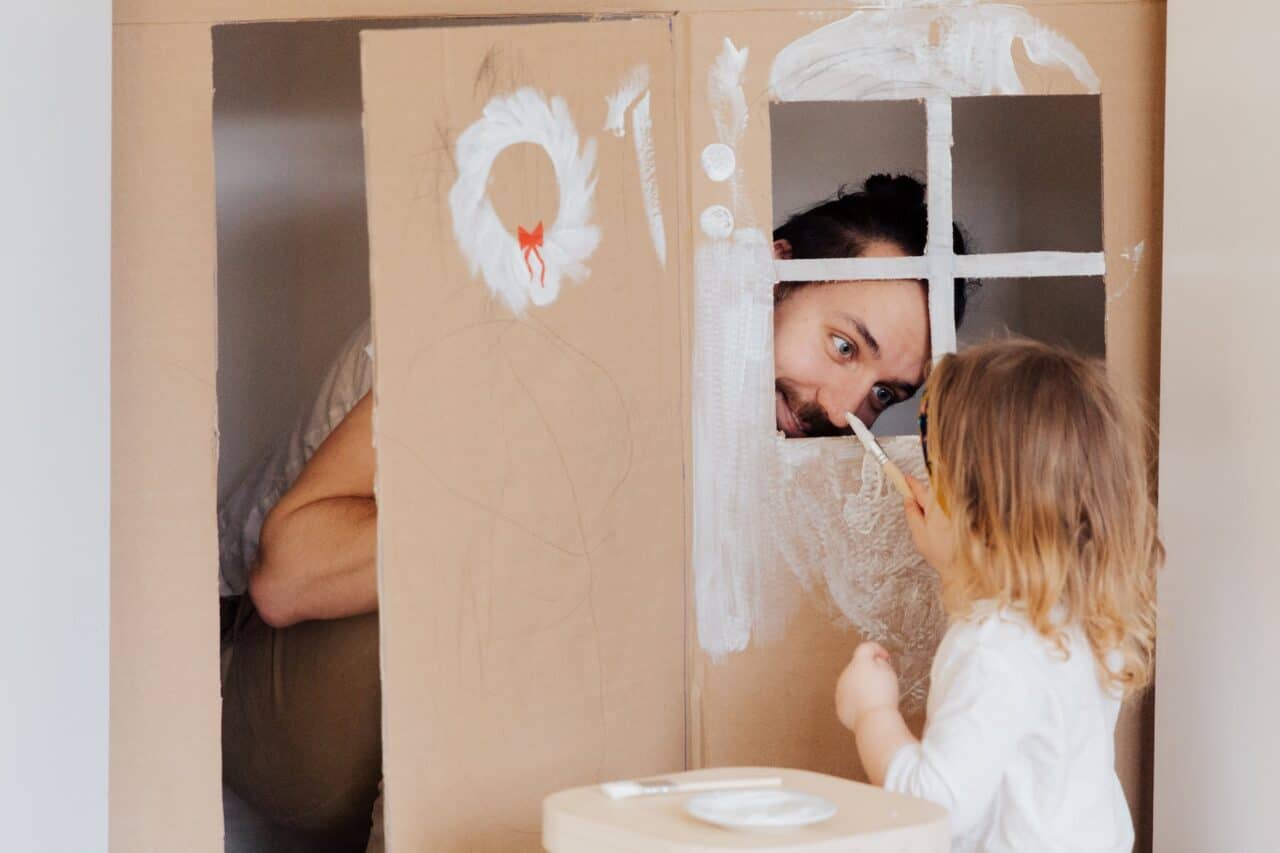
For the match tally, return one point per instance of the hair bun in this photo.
(901, 190)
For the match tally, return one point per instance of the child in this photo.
(1040, 525)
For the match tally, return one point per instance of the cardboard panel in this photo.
(226, 11)
(165, 731)
(772, 703)
(531, 512)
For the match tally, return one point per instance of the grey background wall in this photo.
(293, 248)
(55, 232)
(1216, 739)
(1027, 175)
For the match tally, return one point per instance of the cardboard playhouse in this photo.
(597, 559)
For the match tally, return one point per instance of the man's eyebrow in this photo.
(872, 343)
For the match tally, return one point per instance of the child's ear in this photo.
(781, 250)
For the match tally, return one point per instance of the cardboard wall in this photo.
(769, 705)
(531, 515)
(165, 707)
(738, 717)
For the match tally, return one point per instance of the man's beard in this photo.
(814, 422)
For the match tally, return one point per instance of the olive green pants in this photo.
(301, 725)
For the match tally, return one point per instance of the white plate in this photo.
(751, 809)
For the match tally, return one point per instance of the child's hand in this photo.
(867, 683)
(929, 525)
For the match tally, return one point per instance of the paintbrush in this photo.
(891, 470)
(649, 787)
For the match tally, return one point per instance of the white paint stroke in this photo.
(851, 269)
(1032, 265)
(890, 54)
(940, 246)
(489, 245)
(1008, 265)
(734, 463)
(647, 164)
(633, 83)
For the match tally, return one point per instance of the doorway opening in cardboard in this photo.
(1026, 179)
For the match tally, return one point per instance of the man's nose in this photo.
(847, 395)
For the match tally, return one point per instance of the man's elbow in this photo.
(269, 588)
(272, 598)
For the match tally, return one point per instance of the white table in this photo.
(869, 820)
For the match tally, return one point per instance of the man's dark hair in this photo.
(887, 208)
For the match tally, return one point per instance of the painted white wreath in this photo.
(525, 264)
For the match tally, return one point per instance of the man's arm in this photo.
(318, 549)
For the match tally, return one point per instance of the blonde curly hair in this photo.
(1041, 467)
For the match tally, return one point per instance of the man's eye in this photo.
(883, 397)
(843, 347)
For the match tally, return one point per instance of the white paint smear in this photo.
(888, 54)
(646, 162)
(635, 82)
(491, 247)
(1134, 257)
(775, 519)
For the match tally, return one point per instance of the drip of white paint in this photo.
(888, 55)
(728, 102)
(635, 82)
(1134, 257)
(646, 162)
(719, 162)
(490, 245)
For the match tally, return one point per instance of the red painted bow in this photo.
(530, 242)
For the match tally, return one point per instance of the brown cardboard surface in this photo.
(225, 11)
(772, 703)
(165, 761)
(531, 511)
(471, 640)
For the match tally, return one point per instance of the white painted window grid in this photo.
(939, 264)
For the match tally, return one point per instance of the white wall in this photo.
(55, 59)
(1217, 681)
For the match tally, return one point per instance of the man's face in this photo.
(848, 346)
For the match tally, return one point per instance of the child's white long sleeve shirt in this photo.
(1019, 742)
